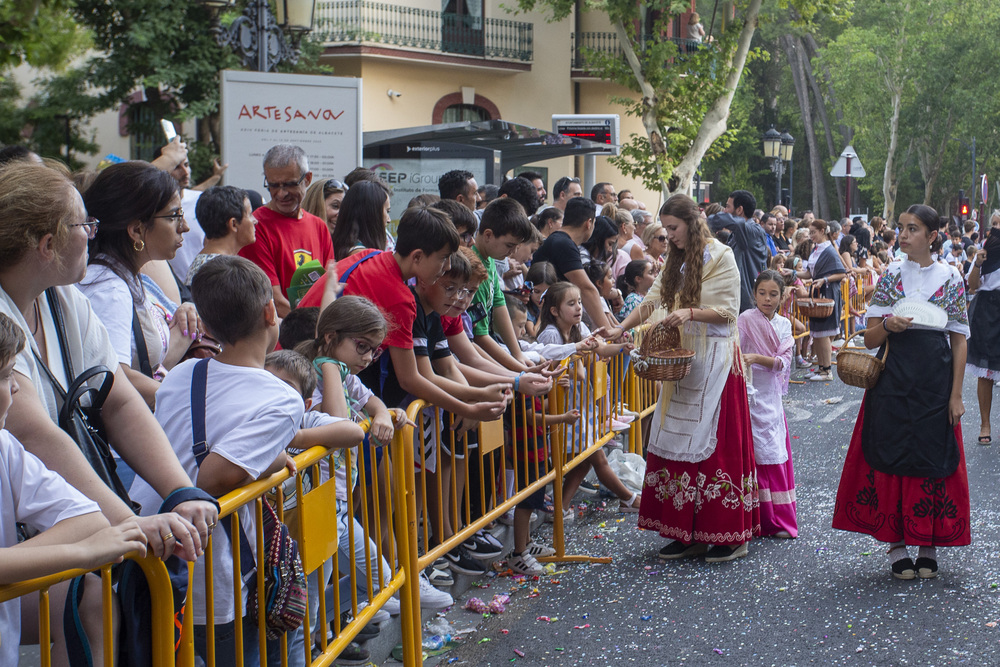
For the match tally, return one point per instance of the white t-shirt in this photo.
(112, 299)
(194, 238)
(85, 335)
(32, 494)
(250, 416)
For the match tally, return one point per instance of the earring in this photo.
(139, 245)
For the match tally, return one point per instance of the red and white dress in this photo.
(701, 478)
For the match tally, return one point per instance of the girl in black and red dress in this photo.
(904, 479)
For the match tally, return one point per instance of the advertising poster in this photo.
(321, 114)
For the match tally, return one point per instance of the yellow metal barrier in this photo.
(316, 522)
(162, 630)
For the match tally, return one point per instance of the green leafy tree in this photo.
(684, 99)
(38, 32)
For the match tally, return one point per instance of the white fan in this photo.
(923, 313)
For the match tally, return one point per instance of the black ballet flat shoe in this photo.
(905, 569)
(926, 568)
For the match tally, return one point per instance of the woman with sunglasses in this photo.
(655, 238)
(323, 199)
(139, 207)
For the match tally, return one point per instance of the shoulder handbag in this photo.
(284, 579)
(84, 423)
(141, 350)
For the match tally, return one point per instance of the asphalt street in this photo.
(825, 598)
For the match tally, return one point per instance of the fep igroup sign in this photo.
(321, 114)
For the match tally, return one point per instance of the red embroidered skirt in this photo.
(714, 501)
(920, 511)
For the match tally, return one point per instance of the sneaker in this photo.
(569, 516)
(508, 518)
(524, 563)
(439, 573)
(589, 488)
(619, 426)
(490, 538)
(802, 363)
(481, 548)
(626, 419)
(623, 411)
(822, 376)
(354, 654)
(678, 549)
(432, 598)
(722, 553)
(440, 577)
(459, 560)
(539, 550)
(382, 615)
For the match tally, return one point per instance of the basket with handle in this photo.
(815, 307)
(860, 369)
(660, 357)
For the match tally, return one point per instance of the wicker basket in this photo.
(660, 357)
(860, 369)
(816, 308)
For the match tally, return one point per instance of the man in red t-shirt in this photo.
(287, 236)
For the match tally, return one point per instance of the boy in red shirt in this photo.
(424, 244)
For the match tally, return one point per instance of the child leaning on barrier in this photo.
(562, 312)
(526, 424)
(341, 435)
(73, 532)
(349, 335)
(249, 418)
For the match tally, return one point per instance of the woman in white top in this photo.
(139, 207)
(984, 316)
(43, 248)
(826, 270)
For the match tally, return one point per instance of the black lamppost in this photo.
(258, 36)
(778, 149)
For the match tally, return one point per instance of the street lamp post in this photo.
(778, 149)
(258, 36)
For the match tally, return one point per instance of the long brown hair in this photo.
(554, 297)
(686, 284)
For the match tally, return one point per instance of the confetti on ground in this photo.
(581, 627)
(718, 650)
(519, 653)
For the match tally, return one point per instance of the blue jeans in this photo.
(225, 644)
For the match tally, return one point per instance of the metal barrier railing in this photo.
(162, 629)
(537, 452)
(318, 531)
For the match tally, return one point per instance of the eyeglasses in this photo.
(173, 216)
(288, 185)
(661, 239)
(89, 226)
(329, 187)
(363, 347)
(453, 291)
(467, 237)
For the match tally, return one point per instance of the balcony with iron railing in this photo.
(365, 23)
(607, 42)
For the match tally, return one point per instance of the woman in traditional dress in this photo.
(904, 479)
(701, 482)
(984, 322)
(767, 344)
(826, 270)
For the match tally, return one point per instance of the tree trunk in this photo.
(931, 158)
(656, 145)
(714, 124)
(802, 93)
(820, 102)
(889, 181)
(846, 132)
